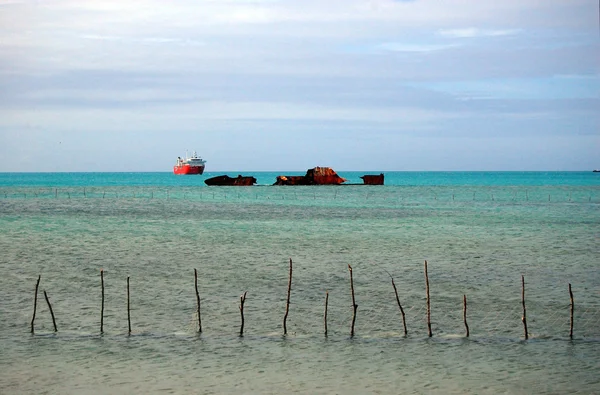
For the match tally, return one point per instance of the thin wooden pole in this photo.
(524, 318)
(287, 305)
(325, 317)
(37, 285)
(572, 311)
(428, 301)
(399, 305)
(354, 305)
(465, 314)
(128, 308)
(197, 301)
(242, 300)
(51, 311)
(102, 306)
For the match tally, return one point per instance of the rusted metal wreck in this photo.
(314, 176)
(225, 180)
(373, 179)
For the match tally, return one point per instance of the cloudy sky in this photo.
(258, 85)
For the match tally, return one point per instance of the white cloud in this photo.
(475, 32)
(406, 47)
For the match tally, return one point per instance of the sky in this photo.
(266, 85)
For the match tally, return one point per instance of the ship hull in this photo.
(188, 170)
(230, 181)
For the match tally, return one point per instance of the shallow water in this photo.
(479, 235)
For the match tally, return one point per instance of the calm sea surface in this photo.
(479, 232)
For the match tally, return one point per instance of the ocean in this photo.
(481, 234)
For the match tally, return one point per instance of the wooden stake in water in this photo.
(524, 318)
(428, 301)
(399, 305)
(197, 301)
(102, 306)
(325, 317)
(37, 285)
(51, 311)
(287, 305)
(128, 308)
(572, 311)
(242, 300)
(465, 314)
(354, 305)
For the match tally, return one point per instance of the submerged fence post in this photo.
(197, 301)
(325, 316)
(102, 306)
(428, 301)
(572, 311)
(242, 300)
(399, 305)
(51, 311)
(287, 305)
(524, 318)
(354, 305)
(37, 285)
(465, 314)
(128, 308)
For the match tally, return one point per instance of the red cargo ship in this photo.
(189, 165)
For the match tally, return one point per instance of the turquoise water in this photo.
(479, 233)
(268, 178)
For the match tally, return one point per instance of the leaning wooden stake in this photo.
(197, 301)
(325, 317)
(128, 308)
(524, 318)
(37, 285)
(399, 305)
(572, 311)
(51, 312)
(354, 305)
(465, 314)
(242, 300)
(102, 306)
(287, 305)
(428, 301)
